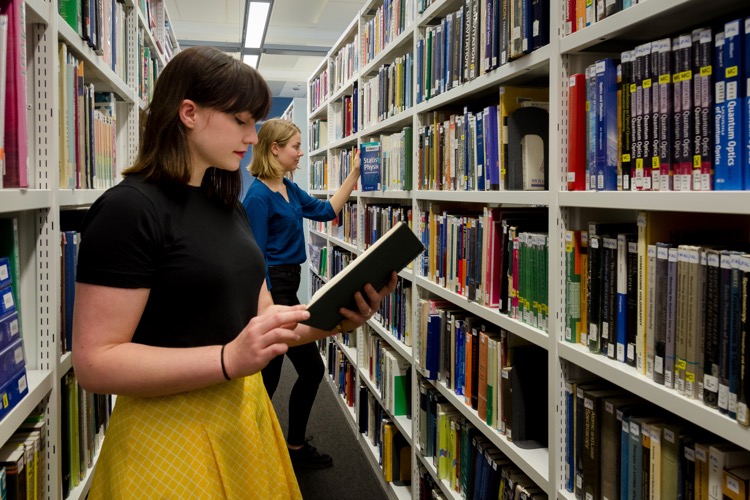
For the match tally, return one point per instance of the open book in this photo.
(391, 252)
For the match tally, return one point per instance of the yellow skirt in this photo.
(220, 442)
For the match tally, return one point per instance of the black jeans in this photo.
(305, 358)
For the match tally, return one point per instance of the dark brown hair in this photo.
(211, 79)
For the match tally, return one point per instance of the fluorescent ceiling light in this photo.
(257, 17)
(251, 60)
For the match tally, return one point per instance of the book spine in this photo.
(730, 176)
(666, 172)
(626, 79)
(577, 132)
(621, 298)
(606, 125)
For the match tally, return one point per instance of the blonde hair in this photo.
(264, 164)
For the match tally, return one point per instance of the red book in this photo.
(577, 133)
(16, 145)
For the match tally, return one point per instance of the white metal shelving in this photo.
(645, 21)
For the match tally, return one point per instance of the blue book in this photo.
(607, 133)
(355, 108)
(721, 173)
(458, 368)
(6, 276)
(10, 330)
(13, 391)
(492, 160)
(7, 304)
(622, 297)
(591, 127)
(69, 255)
(433, 347)
(12, 360)
(730, 175)
(370, 165)
(480, 152)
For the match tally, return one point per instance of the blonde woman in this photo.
(276, 207)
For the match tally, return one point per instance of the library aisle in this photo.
(351, 476)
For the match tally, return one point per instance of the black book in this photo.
(711, 344)
(529, 411)
(631, 308)
(391, 252)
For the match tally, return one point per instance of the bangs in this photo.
(246, 90)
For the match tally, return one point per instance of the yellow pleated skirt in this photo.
(220, 442)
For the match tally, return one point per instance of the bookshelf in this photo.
(38, 207)
(296, 112)
(549, 66)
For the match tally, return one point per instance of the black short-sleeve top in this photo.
(198, 259)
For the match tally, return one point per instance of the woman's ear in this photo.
(188, 112)
(275, 148)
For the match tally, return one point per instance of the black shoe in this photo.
(308, 457)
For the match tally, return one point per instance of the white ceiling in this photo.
(294, 26)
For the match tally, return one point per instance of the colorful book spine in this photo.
(732, 175)
(577, 132)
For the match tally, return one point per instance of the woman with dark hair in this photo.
(172, 313)
(276, 207)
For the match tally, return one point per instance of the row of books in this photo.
(394, 451)
(388, 371)
(484, 366)
(317, 92)
(23, 461)
(345, 64)
(319, 174)
(395, 313)
(342, 372)
(618, 446)
(318, 134)
(394, 161)
(390, 19)
(317, 251)
(389, 93)
(102, 25)
(85, 417)
(378, 219)
(488, 149)
(669, 115)
(343, 116)
(148, 69)
(466, 460)
(340, 163)
(88, 129)
(344, 226)
(477, 38)
(666, 296)
(582, 13)
(497, 258)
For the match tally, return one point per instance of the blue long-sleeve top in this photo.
(277, 224)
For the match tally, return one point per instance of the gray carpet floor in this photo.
(352, 475)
